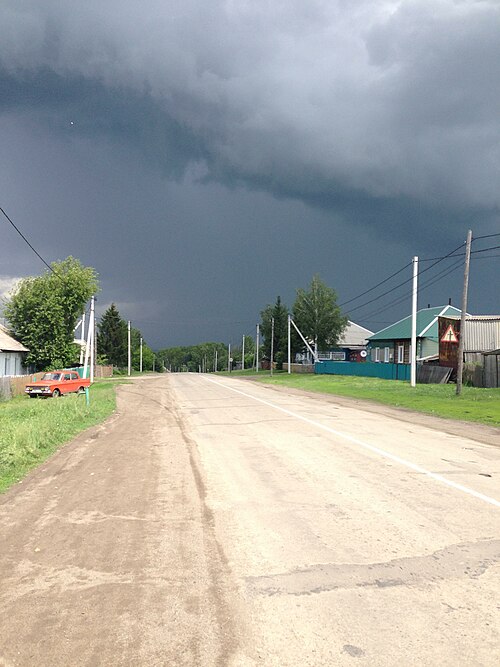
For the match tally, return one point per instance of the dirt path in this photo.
(108, 553)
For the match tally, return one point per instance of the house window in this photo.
(377, 354)
(386, 355)
(401, 354)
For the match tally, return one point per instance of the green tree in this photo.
(193, 357)
(280, 313)
(318, 316)
(112, 337)
(42, 312)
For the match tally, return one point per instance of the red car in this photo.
(56, 383)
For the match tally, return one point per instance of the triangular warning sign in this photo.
(449, 336)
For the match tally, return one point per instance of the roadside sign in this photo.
(449, 336)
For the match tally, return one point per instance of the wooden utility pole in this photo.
(461, 339)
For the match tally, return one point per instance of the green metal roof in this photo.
(427, 325)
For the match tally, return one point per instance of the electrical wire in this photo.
(375, 286)
(406, 297)
(462, 254)
(28, 243)
(405, 282)
(486, 236)
(493, 247)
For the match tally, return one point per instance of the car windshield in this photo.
(51, 376)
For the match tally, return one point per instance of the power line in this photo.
(430, 282)
(486, 236)
(28, 243)
(375, 286)
(493, 247)
(462, 254)
(487, 256)
(393, 289)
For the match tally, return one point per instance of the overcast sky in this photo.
(205, 157)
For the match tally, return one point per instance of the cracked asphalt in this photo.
(221, 522)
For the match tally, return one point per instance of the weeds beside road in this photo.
(31, 430)
(475, 405)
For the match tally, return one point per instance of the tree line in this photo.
(315, 312)
(42, 312)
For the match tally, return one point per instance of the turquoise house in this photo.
(392, 344)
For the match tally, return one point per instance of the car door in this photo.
(68, 383)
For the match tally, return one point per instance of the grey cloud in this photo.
(223, 152)
(374, 99)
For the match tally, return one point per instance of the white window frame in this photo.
(377, 355)
(401, 354)
(386, 355)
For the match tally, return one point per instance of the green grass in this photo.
(475, 405)
(31, 430)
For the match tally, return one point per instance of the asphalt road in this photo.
(215, 521)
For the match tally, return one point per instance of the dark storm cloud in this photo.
(330, 102)
(207, 156)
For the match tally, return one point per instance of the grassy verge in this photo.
(31, 430)
(475, 405)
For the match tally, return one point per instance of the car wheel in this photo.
(81, 390)
(56, 393)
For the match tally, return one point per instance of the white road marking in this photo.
(365, 445)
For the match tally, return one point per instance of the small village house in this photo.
(12, 355)
(393, 343)
(351, 347)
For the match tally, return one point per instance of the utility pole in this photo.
(243, 354)
(154, 359)
(272, 343)
(92, 338)
(461, 339)
(413, 351)
(289, 345)
(83, 338)
(229, 357)
(257, 343)
(89, 345)
(140, 357)
(216, 363)
(129, 353)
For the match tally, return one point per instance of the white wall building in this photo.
(12, 355)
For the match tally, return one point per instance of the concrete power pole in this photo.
(82, 338)
(289, 345)
(461, 339)
(413, 351)
(92, 339)
(129, 352)
(243, 354)
(140, 358)
(272, 343)
(257, 343)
